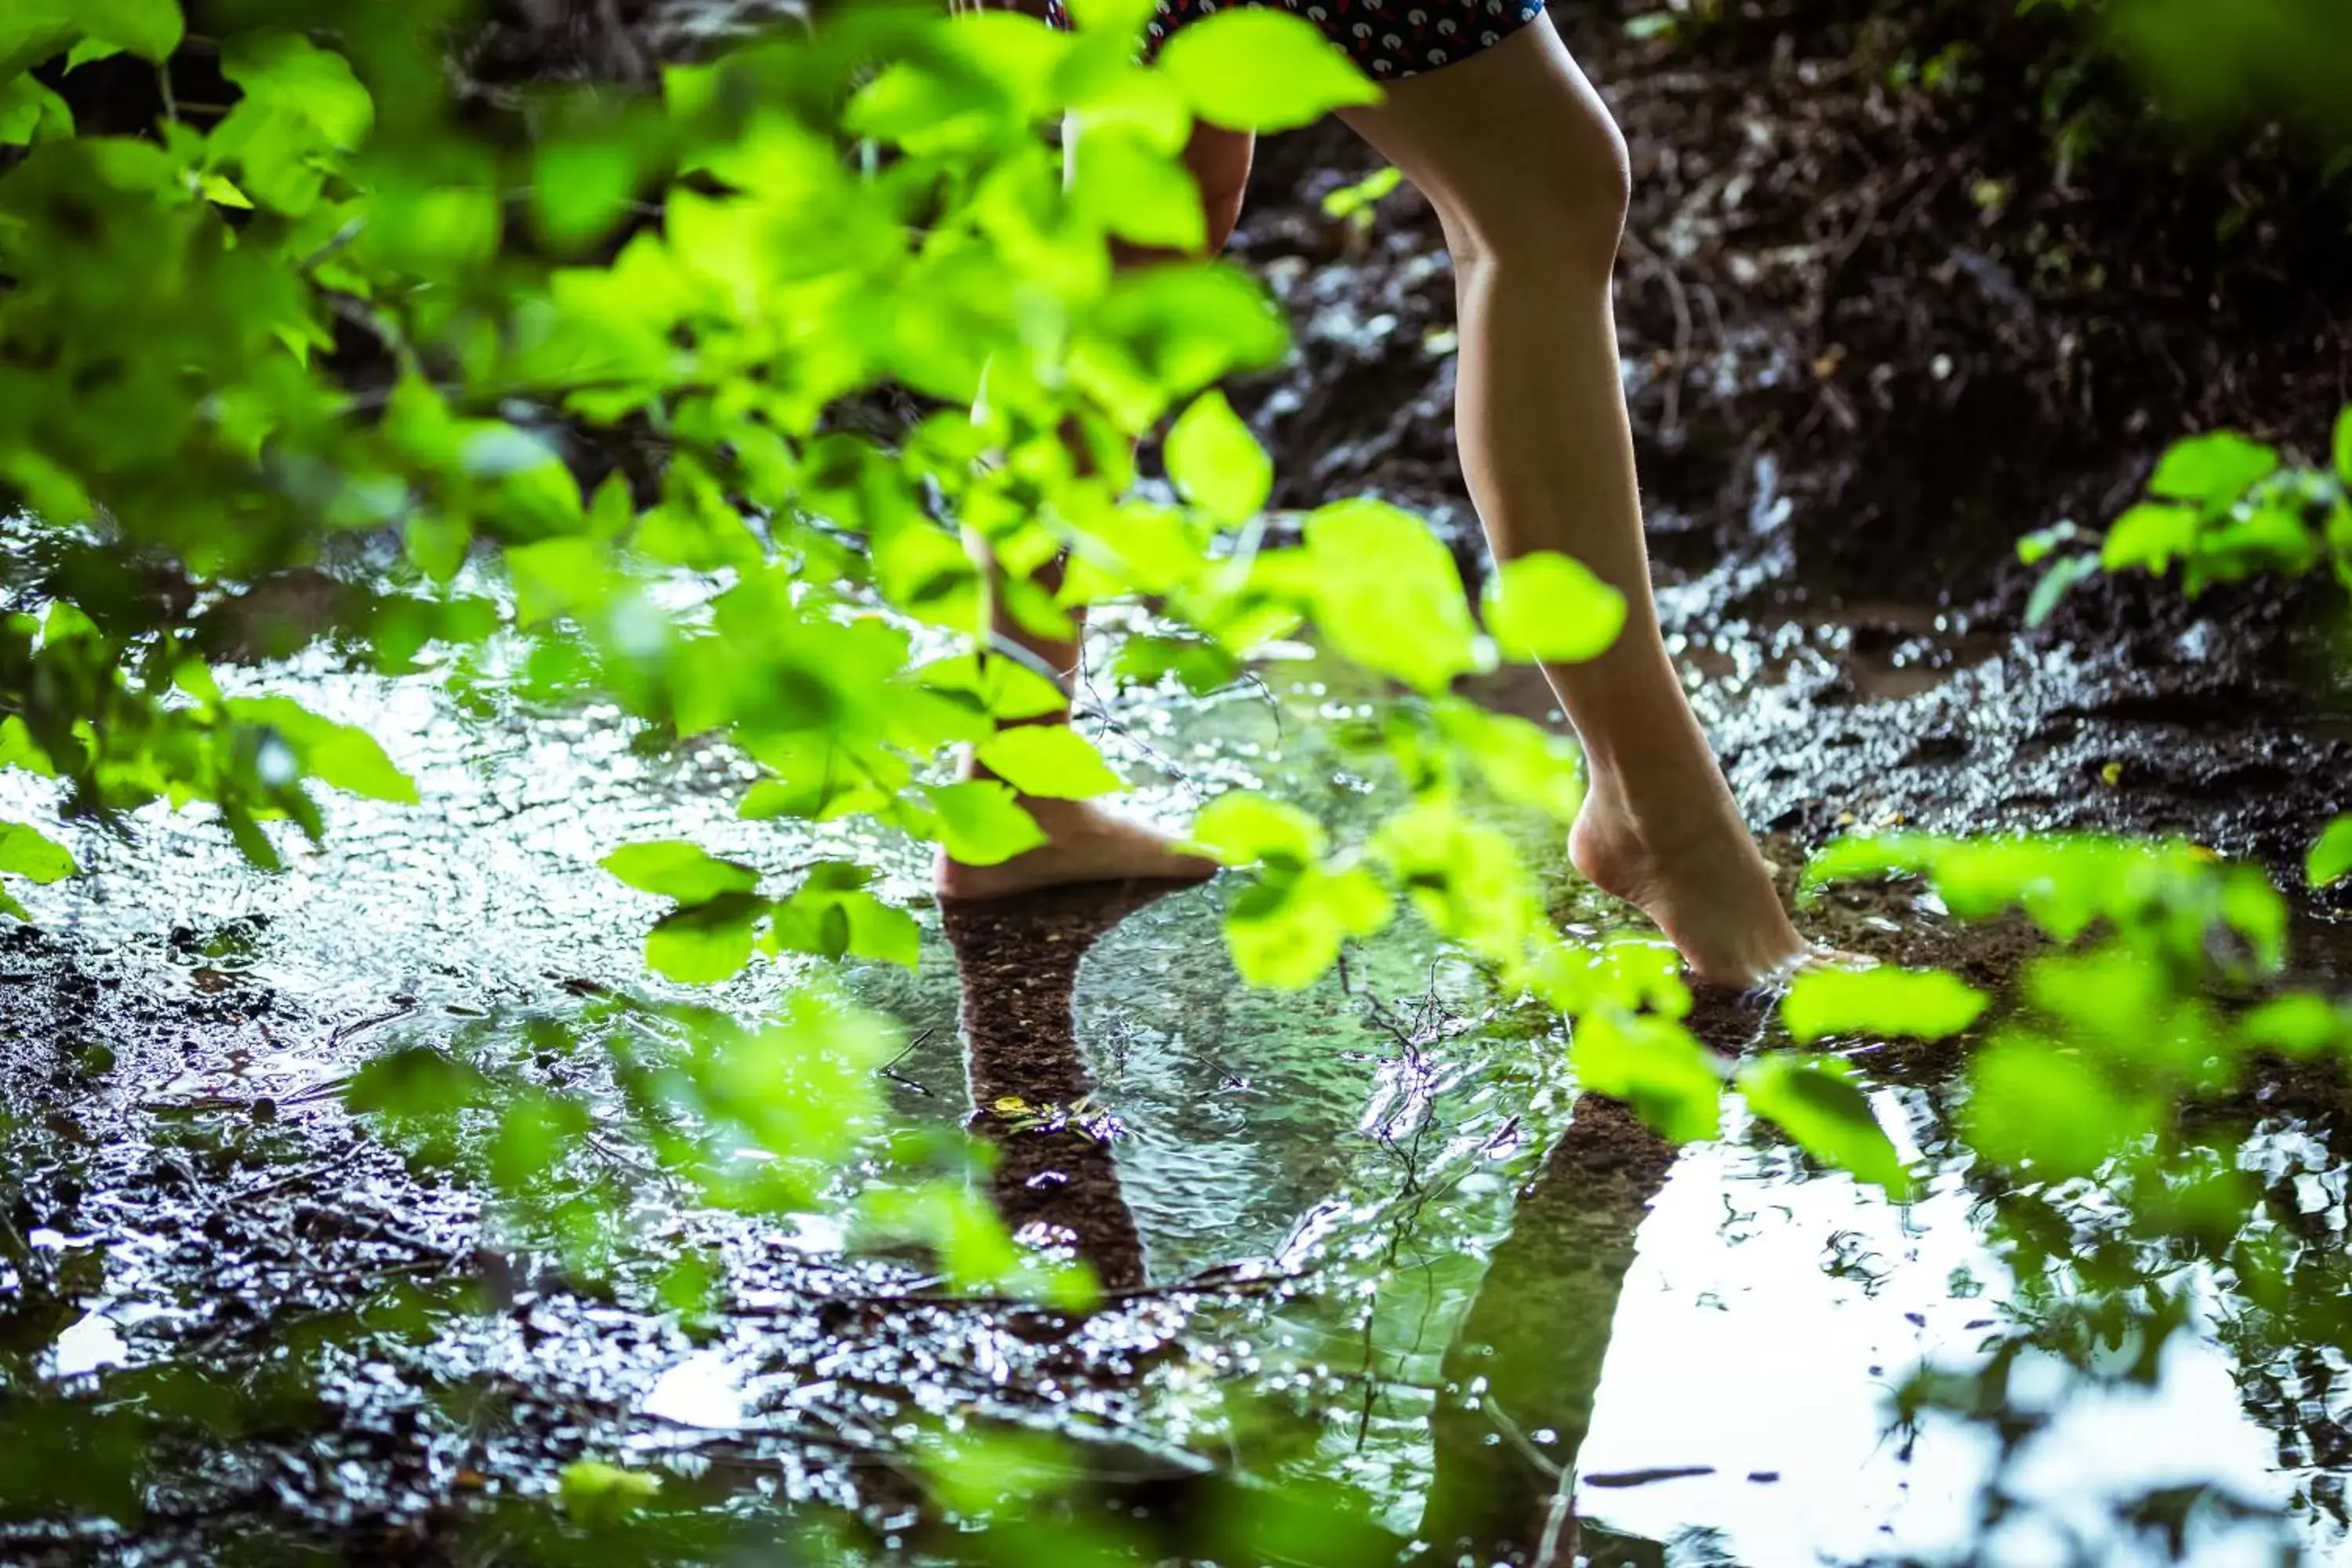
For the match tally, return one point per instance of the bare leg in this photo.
(1529, 176)
(1085, 842)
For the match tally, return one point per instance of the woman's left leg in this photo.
(1085, 842)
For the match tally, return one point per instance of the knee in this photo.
(1561, 206)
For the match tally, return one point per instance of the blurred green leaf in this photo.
(337, 755)
(599, 1496)
(1240, 829)
(1050, 760)
(33, 855)
(705, 942)
(1655, 1066)
(2330, 861)
(1216, 464)
(2212, 472)
(676, 870)
(1251, 68)
(980, 823)
(1923, 1004)
(1816, 1101)
(1387, 594)
(2041, 1110)
(1550, 607)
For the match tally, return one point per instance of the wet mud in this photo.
(1371, 1234)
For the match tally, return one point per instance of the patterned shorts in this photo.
(1389, 38)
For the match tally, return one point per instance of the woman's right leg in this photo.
(1527, 172)
(1085, 842)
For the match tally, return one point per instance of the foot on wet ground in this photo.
(1700, 876)
(1085, 843)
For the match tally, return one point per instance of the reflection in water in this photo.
(1524, 1367)
(1032, 1094)
(1525, 1364)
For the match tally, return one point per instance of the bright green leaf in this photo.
(1053, 762)
(287, 73)
(1287, 931)
(980, 823)
(1387, 594)
(2213, 472)
(703, 943)
(1257, 69)
(28, 853)
(598, 1495)
(2039, 1109)
(1655, 1066)
(1242, 828)
(1814, 1100)
(1922, 1003)
(337, 755)
(1551, 607)
(675, 870)
(2330, 861)
(1215, 462)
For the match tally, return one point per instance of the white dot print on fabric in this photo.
(1437, 56)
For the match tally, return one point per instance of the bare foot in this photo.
(1700, 876)
(1083, 843)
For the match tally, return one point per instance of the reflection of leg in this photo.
(1084, 842)
(1523, 1369)
(1527, 173)
(1019, 963)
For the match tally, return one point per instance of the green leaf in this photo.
(31, 854)
(2150, 537)
(1242, 829)
(1655, 1066)
(1287, 931)
(2300, 1024)
(30, 112)
(1522, 761)
(2213, 472)
(2330, 861)
(833, 915)
(32, 30)
(1053, 762)
(706, 943)
(2344, 447)
(980, 823)
(415, 1081)
(2056, 584)
(2042, 543)
(1814, 1100)
(2039, 1109)
(1349, 201)
(1216, 464)
(1386, 594)
(1551, 607)
(1253, 68)
(1922, 1003)
(675, 870)
(337, 755)
(597, 1495)
(1135, 191)
(285, 72)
